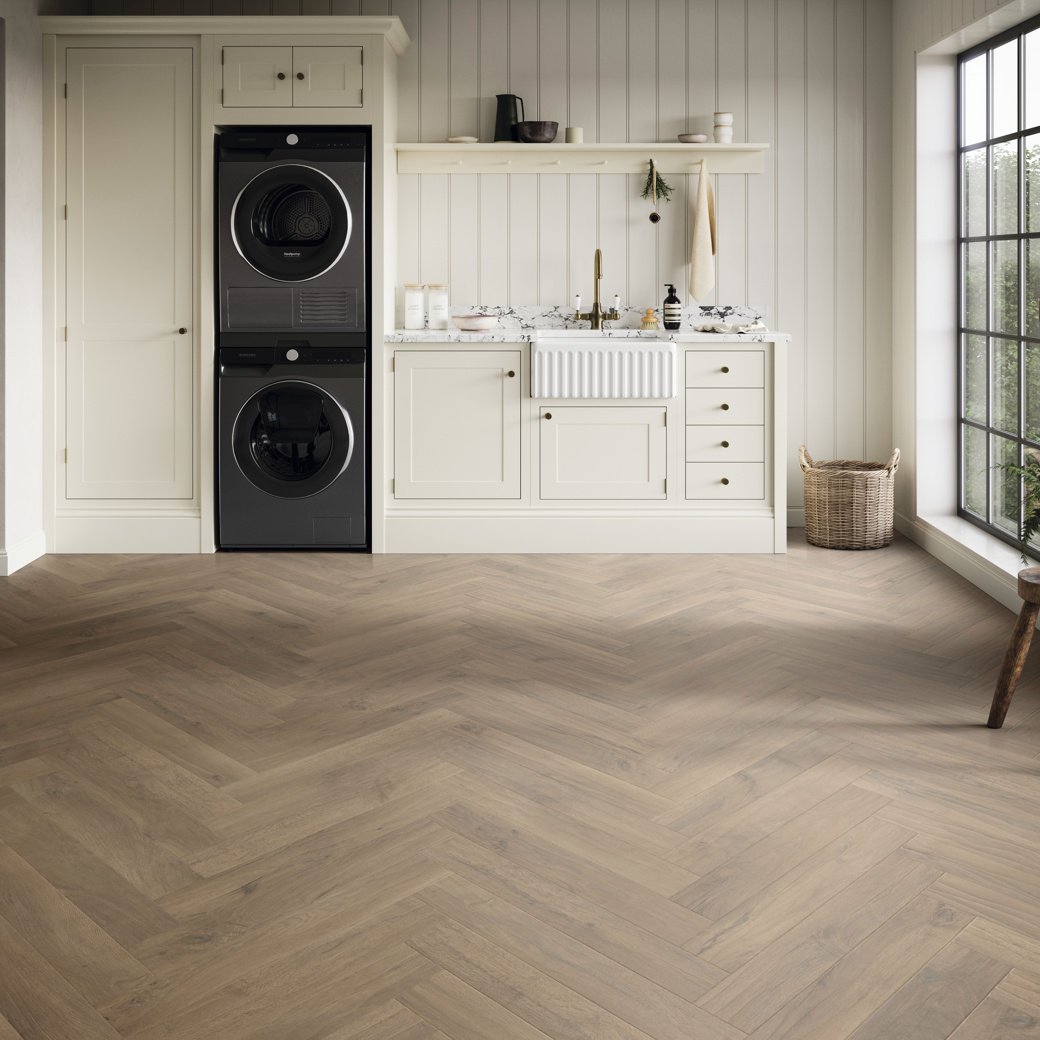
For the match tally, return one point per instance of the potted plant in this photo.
(1029, 474)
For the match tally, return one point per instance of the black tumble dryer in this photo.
(292, 250)
(291, 449)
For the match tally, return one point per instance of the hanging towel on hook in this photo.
(704, 241)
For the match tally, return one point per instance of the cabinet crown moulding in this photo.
(389, 26)
(629, 157)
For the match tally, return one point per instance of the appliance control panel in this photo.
(300, 355)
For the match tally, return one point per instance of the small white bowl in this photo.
(474, 322)
(693, 138)
(462, 140)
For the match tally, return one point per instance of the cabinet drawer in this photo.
(738, 480)
(725, 368)
(725, 444)
(723, 406)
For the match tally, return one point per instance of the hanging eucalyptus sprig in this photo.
(664, 190)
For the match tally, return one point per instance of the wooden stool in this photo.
(1018, 648)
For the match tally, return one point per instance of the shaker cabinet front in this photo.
(292, 77)
(129, 342)
(457, 424)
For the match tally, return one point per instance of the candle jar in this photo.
(414, 306)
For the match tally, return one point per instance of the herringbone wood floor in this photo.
(331, 797)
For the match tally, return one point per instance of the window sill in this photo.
(976, 555)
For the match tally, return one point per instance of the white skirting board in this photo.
(127, 534)
(23, 552)
(578, 534)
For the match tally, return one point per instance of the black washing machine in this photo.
(292, 247)
(291, 449)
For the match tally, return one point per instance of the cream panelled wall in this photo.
(808, 240)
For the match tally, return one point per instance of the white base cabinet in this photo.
(480, 466)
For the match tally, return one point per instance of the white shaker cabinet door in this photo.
(129, 350)
(457, 424)
(327, 77)
(603, 452)
(258, 77)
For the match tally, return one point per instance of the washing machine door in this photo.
(292, 439)
(291, 223)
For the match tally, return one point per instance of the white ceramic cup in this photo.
(574, 135)
(723, 118)
(723, 135)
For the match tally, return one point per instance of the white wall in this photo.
(808, 240)
(21, 397)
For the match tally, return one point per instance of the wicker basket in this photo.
(848, 505)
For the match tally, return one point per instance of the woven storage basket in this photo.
(848, 505)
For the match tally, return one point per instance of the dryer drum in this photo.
(291, 223)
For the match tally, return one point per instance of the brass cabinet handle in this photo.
(725, 444)
(548, 415)
(725, 368)
(182, 331)
(725, 480)
(281, 75)
(511, 374)
(725, 407)
(299, 75)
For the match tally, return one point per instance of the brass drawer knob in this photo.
(182, 331)
(725, 407)
(511, 374)
(725, 444)
(548, 415)
(281, 75)
(299, 75)
(725, 368)
(725, 480)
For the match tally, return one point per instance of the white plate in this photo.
(462, 140)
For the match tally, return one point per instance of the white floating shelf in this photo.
(506, 157)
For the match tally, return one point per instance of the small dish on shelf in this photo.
(693, 138)
(474, 322)
(462, 140)
(537, 131)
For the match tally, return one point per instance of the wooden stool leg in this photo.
(1014, 661)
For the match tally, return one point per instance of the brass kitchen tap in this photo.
(597, 315)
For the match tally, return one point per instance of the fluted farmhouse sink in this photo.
(593, 364)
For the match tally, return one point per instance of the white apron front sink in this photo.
(589, 364)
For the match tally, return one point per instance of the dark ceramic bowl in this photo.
(537, 131)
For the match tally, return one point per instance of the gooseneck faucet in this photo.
(597, 315)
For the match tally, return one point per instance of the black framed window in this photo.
(998, 171)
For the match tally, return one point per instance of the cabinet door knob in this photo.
(725, 444)
(548, 415)
(511, 374)
(725, 480)
(281, 75)
(299, 75)
(725, 368)
(182, 331)
(725, 407)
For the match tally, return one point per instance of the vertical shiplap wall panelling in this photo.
(553, 220)
(792, 301)
(464, 118)
(849, 229)
(671, 120)
(761, 126)
(613, 126)
(373, 7)
(731, 192)
(820, 227)
(494, 188)
(583, 110)
(342, 7)
(702, 94)
(523, 188)
(434, 209)
(408, 223)
(642, 126)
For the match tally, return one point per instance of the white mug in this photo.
(723, 135)
(723, 118)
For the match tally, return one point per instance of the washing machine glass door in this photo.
(291, 223)
(292, 439)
